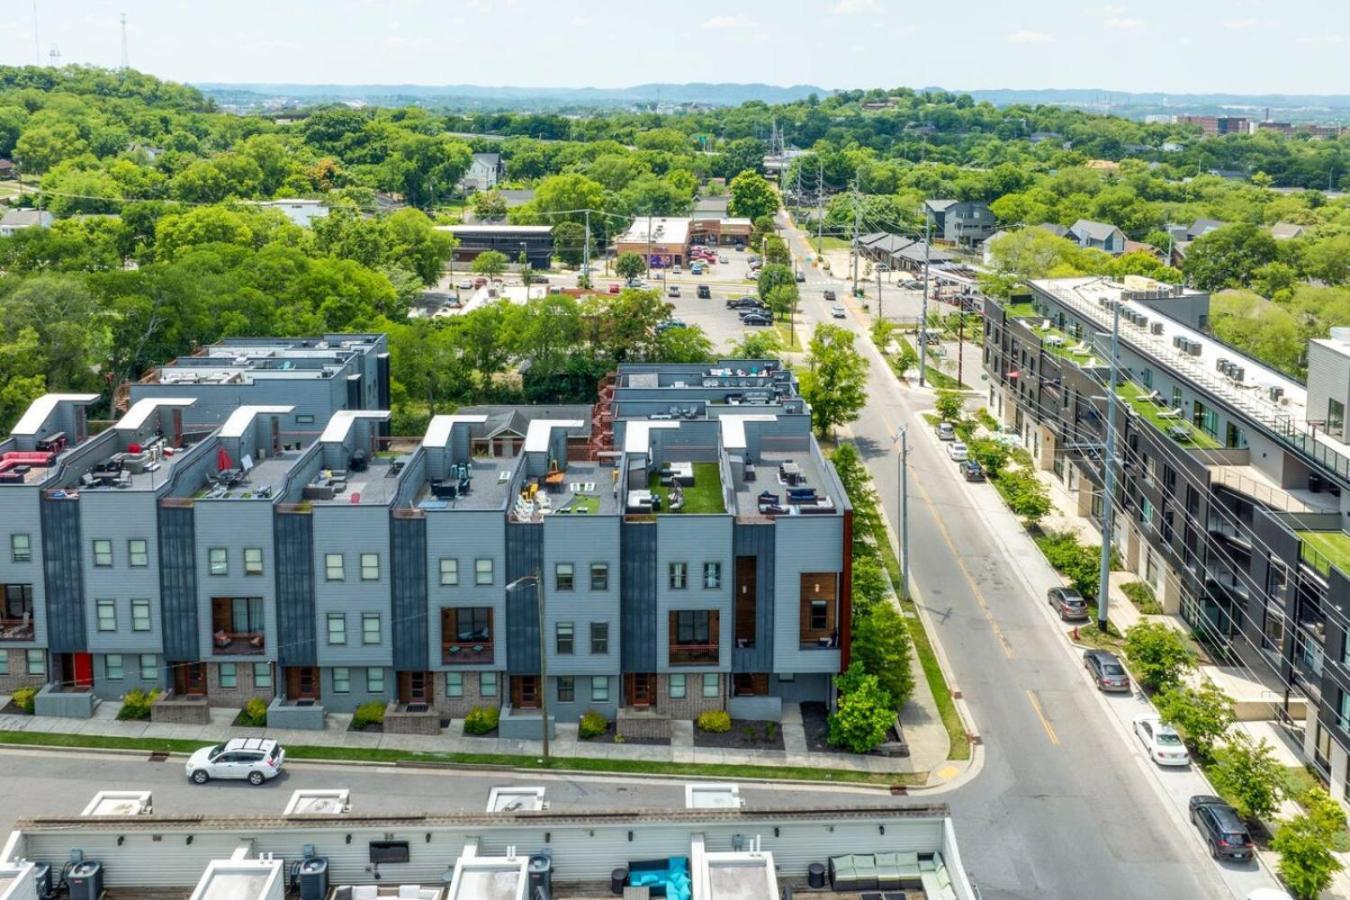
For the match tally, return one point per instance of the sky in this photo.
(1177, 46)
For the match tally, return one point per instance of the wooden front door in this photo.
(640, 689)
(189, 679)
(746, 589)
(525, 691)
(414, 687)
(302, 683)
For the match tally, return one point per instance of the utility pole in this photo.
(923, 313)
(881, 310)
(586, 250)
(1109, 475)
(126, 57)
(857, 219)
(960, 339)
(820, 203)
(904, 510)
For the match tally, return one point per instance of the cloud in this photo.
(1322, 39)
(1113, 9)
(1241, 24)
(1026, 36)
(848, 7)
(1124, 23)
(729, 23)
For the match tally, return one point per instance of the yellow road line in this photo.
(1040, 714)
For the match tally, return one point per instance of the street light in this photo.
(902, 435)
(543, 642)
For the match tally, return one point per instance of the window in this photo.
(1335, 417)
(482, 571)
(679, 575)
(449, 572)
(113, 669)
(567, 689)
(103, 553)
(229, 675)
(218, 560)
(140, 615)
(454, 684)
(342, 680)
(678, 687)
(337, 629)
(1176, 398)
(4, 663)
(149, 667)
(599, 576)
(370, 567)
(303, 419)
(1145, 511)
(370, 628)
(599, 638)
(711, 686)
(564, 638)
(375, 680)
(564, 577)
(138, 553)
(600, 689)
(253, 564)
(332, 567)
(712, 576)
(37, 662)
(107, 614)
(692, 626)
(262, 675)
(820, 615)
(21, 548)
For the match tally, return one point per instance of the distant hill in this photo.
(1289, 107)
(473, 96)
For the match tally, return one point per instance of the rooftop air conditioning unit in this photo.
(1179, 342)
(1276, 392)
(1221, 364)
(1236, 373)
(1194, 348)
(1156, 328)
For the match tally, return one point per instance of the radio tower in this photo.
(126, 57)
(54, 57)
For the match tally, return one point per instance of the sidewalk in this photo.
(926, 754)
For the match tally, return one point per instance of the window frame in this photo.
(110, 672)
(712, 685)
(36, 656)
(370, 562)
(218, 567)
(567, 631)
(452, 571)
(454, 685)
(101, 606)
(149, 662)
(102, 549)
(565, 570)
(374, 676)
(599, 576)
(366, 619)
(682, 680)
(483, 689)
(253, 565)
(17, 554)
(141, 605)
(346, 679)
(133, 554)
(677, 576)
(484, 575)
(599, 634)
(329, 568)
(336, 617)
(566, 689)
(233, 677)
(712, 567)
(262, 675)
(603, 695)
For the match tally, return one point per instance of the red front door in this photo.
(83, 665)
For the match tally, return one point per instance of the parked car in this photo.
(1106, 671)
(756, 318)
(669, 324)
(465, 284)
(958, 451)
(1068, 604)
(704, 292)
(479, 282)
(883, 267)
(722, 257)
(1161, 741)
(538, 279)
(676, 269)
(740, 248)
(745, 302)
(635, 283)
(946, 431)
(1221, 828)
(615, 288)
(696, 269)
(972, 470)
(254, 760)
(912, 284)
(830, 296)
(801, 276)
(673, 291)
(837, 311)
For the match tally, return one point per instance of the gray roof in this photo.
(891, 244)
(517, 419)
(938, 206)
(491, 159)
(871, 238)
(516, 196)
(1054, 228)
(26, 218)
(1201, 226)
(1097, 231)
(1283, 230)
(706, 205)
(915, 252)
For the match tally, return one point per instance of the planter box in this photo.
(282, 713)
(524, 725)
(634, 724)
(181, 710)
(66, 704)
(401, 720)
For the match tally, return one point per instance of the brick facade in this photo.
(458, 707)
(693, 701)
(243, 691)
(18, 673)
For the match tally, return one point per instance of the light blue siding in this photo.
(120, 518)
(582, 542)
(352, 531)
(803, 544)
(693, 540)
(466, 536)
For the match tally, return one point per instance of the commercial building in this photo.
(661, 240)
(1217, 126)
(691, 539)
(1231, 498)
(535, 241)
(300, 212)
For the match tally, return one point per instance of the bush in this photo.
(24, 699)
(1306, 861)
(991, 455)
(948, 405)
(254, 713)
(1202, 715)
(1080, 563)
(881, 645)
(714, 721)
(865, 714)
(371, 713)
(1142, 596)
(136, 704)
(481, 720)
(1159, 654)
(1024, 494)
(592, 725)
(1248, 776)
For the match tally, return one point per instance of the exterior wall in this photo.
(458, 707)
(120, 517)
(235, 525)
(20, 514)
(466, 536)
(113, 689)
(693, 702)
(693, 540)
(803, 544)
(1328, 379)
(245, 688)
(581, 542)
(18, 671)
(359, 691)
(584, 698)
(352, 531)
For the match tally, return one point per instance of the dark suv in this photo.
(746, 302)
(1068, 603)
(1221, 828)
(704, 292)
(1106, 671)
(830, 297)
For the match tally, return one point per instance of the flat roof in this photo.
(664, 230)
(540, 430)
(340, 425)
(41, 409)
(239, 420)
(496, 229)
(438, 430)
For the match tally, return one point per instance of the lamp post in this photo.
(543, 647)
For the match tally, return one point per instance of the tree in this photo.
(772, 276)
(742, 154)
(949, 405)
(752, 196)
(758, 345)
(489, 206)
(630, 265)
(905, 360)
(425, 168)
(1202, 715)
(683, 345)
(1248, 775)
(1228, 256)
(1034, 253)
(881, 644)
(1306, 864)
(836, 383)
(562, 198)
(490, 263)
(782, 300)
(569, 239)
(865, 712)
(1159, 654)
(776, 251)
(410, 240)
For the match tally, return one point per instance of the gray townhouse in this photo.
(1232, 498)
(963, 222)
(681, 545)
(1097, 236)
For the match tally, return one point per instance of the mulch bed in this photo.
(744, 735)
(816, 722)
(369, 727)
(13, 709)
(609, 738)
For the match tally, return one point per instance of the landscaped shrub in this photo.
(1142, 596)
(1159, 654)
(1076, 561)
(990, 454)
(371, 713)
(481, 720)
(254, 713)
(865, 714)
(136, 704)
(715, 721)
(24, 699)
(1024, 493)
(591, 725)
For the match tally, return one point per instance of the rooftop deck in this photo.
(376, 486)
(489, 481)
(680, 496)
(1170, 422)
(1325, 550)
(783, 473)
(262, 482)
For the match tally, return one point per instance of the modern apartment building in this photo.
(1231, 496)
(689, 546)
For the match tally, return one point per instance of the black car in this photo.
(830, 297)
(1106, 671)
(669, 324)
(972, 470)
(746, 302)
(704, 292)
(1068, 603)
(1221, 827)
(801, 276)
(756, 318)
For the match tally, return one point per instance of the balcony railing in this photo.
(20, 629)
(693, 654)
(466, 653)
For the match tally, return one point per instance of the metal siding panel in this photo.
(178, 584)
(120, 517)
(407, 568)
(296, 639)
(637, 597)
(466, 535)
(235, 525)
(802, 544)
(21, 513)
(63, 576)
(524, 556)
(351, 531)
(756, 541)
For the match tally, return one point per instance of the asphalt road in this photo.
(1062, 807)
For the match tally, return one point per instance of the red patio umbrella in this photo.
(223, 460)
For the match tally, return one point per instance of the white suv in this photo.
(255, 759)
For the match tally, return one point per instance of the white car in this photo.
(946, 431)
(465, 284)
(838, 311)
(255, 760)
(1161, 742)
(721, 257)
(958, 451)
